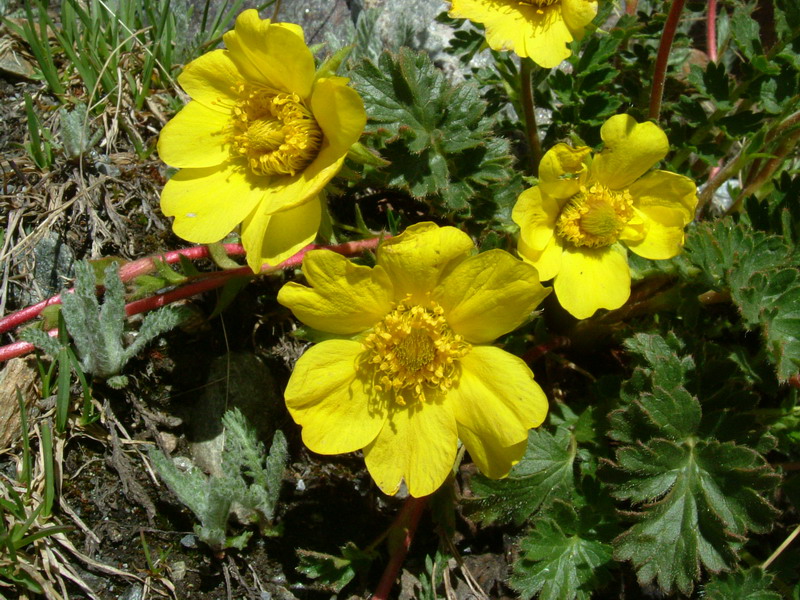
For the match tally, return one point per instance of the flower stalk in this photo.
(127, 272)
(406, 523)
(711, 31)
(664, 48)
(529, 110)
(197, 285)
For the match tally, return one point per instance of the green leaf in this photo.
(544, 474)
(434, 134)
(761, 273)
(334, 572)
(752, 584)
(697, 498)
(746, 32)
(699, 502)
(562, 558)
(658, 404)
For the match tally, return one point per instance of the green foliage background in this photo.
(677, 462)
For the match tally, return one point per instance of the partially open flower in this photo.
(539, 29)
(576, 224)
(261, 137)
(413, 368)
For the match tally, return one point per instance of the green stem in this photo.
(768, 170)
(664, 48)
(528, 107)
(781, 548)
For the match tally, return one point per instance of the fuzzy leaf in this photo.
(153, 325)
(659, 405)
(752, 584)
(761, 273)
(746, 31)
(190, 486)
(245, 480)
(562, 558)
(41, 340)
(244, 455)
(545, 473)
(697, 498)
(112, 316)
(434, 133)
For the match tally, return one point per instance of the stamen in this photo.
(274, 131)
(413, 353)
(539, 3)
(595, 217)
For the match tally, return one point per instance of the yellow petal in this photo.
(578, 14)
(272, 54)
(539, 33)
(666, 201)
(488, 295)
(562, 169)
(272, 238)
(663, 235)
(325, 396)
(630, 149)
(344, 298)
(592, 279)
(547, 260)
(536, 214)
(284, 192)
(417, 443)
(418, 258)
(196, 137)
(496, 402)
(494, 461)
(208, 203)
(212, 80)
(667, 190)
(341, 116)
(339, 111)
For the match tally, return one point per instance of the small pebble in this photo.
(133, 593)
(178, 570)
(182, 463)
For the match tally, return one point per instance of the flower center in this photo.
(539, 3)
(274, 132)
(595, 217)
(413, 352)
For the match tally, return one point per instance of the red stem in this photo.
(711, 30)
(660, 74)
(210, 281)
(127, 272)
(537, 352)
(407, 521)
(143, 266)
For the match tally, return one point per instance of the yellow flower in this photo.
(573, 221)
(539, 29)
(261, 137)
(413, 369)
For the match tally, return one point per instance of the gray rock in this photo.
(135, 592)
(239, 380)
(321, 20)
